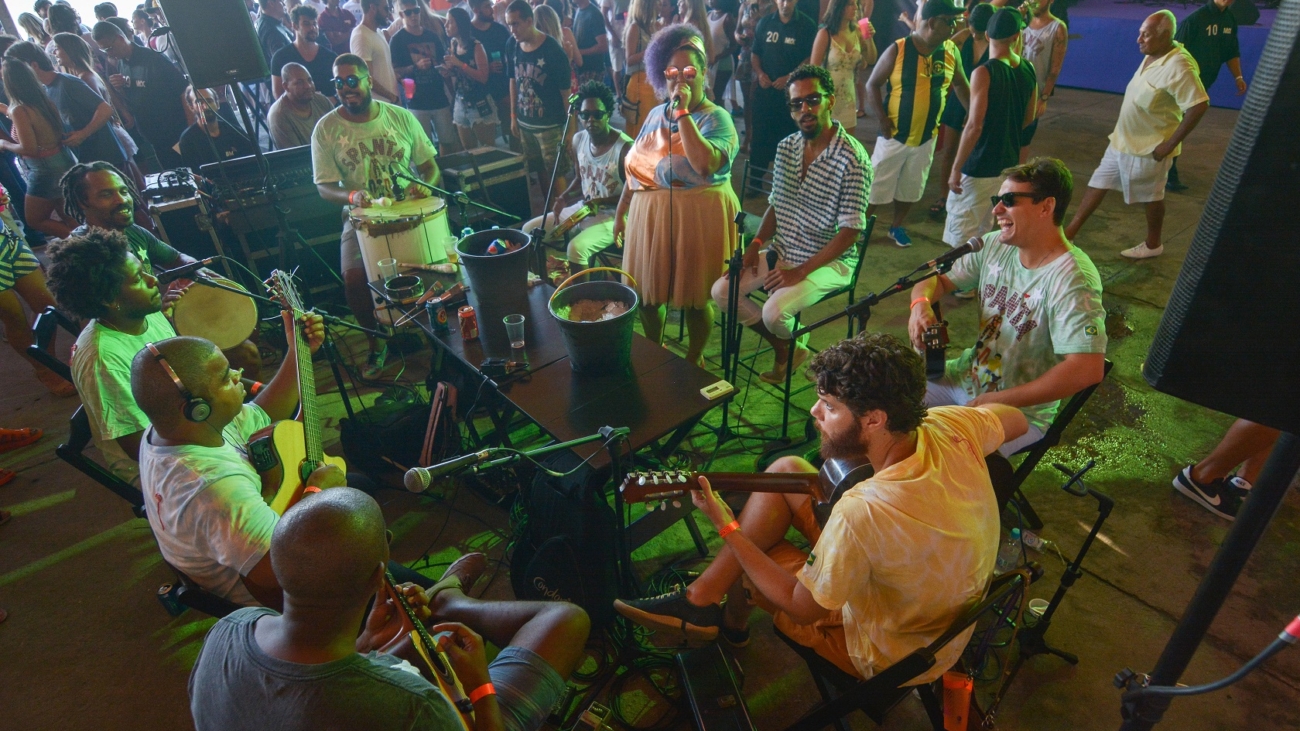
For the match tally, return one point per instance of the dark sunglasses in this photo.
(1009, 199)
(587, 116)
(812, 101)
(351, 82)
(411, 11)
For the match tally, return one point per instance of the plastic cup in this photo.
(515, 330)
(387, 269)
(1036, 609)
(408, 87)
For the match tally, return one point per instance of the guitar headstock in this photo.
(656, 485)
(283, 290)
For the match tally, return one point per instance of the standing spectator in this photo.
(1210, 35)
(838, 48)
(42, 8)
(306, 52)
(615, 14)
(1046, 40)
(38, 129)
(751, 12)
(163, 43)
(917, 91)
(1212, 482)
(353, 7)
(467, 66)
(539, 80)
(548, 22)
(722, 34)
(783, 42)
(73, 54)
(1163, 103)
(494, 38)
(368, 43)
(677, 213)
(593, 44)
(294, 115)
(153, 89)
(210, 139)
(638, 93)
(417, 51)
(104, 11)
(271, 31)
(33, 28)
(142, 26)
(694, 12)
(974, 43)
(336, 24)
(1002, 106)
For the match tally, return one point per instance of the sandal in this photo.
(462, 574)
(11, 439)
(939, 210)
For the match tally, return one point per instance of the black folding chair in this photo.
(43, 333)
(186, 593)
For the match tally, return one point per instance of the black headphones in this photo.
(196, 409)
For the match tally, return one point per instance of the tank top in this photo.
(468, 89)
(599, 173)
(1039, 46)
(719, 37)
(918, 86)
(642, 40)
(1011, 91)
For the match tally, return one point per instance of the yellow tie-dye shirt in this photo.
(906, 551)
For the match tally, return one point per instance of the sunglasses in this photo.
(588, 116)
(410, 12)
(1008, 200)
(812, 101)
(350, 82)
(685, 74)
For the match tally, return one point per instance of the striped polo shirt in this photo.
(811, 208)
(918, 86)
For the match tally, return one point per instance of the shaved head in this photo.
(159, 398)
(1165, 21)
(328, 549)
(294, 71)
(1156, 36)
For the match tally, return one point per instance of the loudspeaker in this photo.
(216, 40)
(1230, 336)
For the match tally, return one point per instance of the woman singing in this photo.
(678, 208)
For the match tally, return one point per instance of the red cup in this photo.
(408, 86)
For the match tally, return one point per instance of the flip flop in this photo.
(462, 574)
(11, 439)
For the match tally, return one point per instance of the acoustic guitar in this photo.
(824, 487)
(287, 452)
(427, 647)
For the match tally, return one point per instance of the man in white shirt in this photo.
(368, 42)
(1163, 103)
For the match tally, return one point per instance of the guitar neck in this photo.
(307, 395)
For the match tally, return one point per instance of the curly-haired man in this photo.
(901, 553)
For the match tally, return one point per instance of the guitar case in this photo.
(564, 548)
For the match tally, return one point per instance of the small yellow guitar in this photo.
(287, 452)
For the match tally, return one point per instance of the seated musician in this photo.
(815, 214)
(308, 669)
(902, 553)
(598, 151)
(1042, 331)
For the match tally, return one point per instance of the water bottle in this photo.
(466, 232)
(1034, 541)
(1009, 553)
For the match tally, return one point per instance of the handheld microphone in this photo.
(184, 271)
(970, 247)
(772, 256)
(417, 479)
(161, 30)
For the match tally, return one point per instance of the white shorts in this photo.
(1141, 179)
(944, 393)
(900, 171)
(969, 212)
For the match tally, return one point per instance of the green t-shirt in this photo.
(101, 369)
(1030, 319)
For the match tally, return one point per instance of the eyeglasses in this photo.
(410, 12)
(685, 74)
(588, 116)
(1009, 199)
(812, 101)
(352, 81)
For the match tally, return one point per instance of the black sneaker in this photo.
(1221, 497)
(672, 612)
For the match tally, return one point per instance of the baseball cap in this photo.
(980, 15)
(1005, 23)
(937, 8)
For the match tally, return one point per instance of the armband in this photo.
(481, 692)
(729, 528)
(919, 299)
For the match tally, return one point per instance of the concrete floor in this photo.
(87, 646)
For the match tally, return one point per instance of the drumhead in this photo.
(399, 216)
(225, 318)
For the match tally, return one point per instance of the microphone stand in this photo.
(460, 198)
(539, 233)
(605, 432)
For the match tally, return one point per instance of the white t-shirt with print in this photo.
(362, 156)
(101, 369)
(206, 509)
(374, 50)
(1030, 319)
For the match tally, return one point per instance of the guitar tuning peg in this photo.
(640, 479)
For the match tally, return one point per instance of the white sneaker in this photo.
(1142, 252)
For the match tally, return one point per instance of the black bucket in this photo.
(604, 346)
(496, 278)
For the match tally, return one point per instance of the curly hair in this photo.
(809, 71)
(874, 371)
(87, 271)
(597, 90)
(664, 44)
(73, 187)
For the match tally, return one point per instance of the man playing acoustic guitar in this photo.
(902, 553)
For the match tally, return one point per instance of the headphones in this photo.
(196, 409)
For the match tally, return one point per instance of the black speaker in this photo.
(1230, 335)
(216, 40)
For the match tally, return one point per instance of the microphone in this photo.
(974, 244)
(677, 101)
(771, 259)
(417, 479)
(184, 271)
(161, 30)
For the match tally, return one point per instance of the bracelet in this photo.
(919, 299)
(481, 692)
(1239, 78)
(729, 528)
(756, 241)
(352, 196)
(681, 113)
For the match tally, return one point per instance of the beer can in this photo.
(437, 316)
(468, 323)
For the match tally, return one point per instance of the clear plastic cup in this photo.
(387, 269)
(515, 330)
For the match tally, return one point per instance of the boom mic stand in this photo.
(460, 197)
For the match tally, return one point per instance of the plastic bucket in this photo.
(604, 346)
(496, 278)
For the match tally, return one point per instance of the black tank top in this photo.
(1011, 90)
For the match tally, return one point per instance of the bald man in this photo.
(1163, 103)
(294, 115)
(303, 669)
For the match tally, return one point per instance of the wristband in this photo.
(352, 197)
(756, 241)
(681, 113)
(481, 692)
(729, 528)
(310, 490)
(919, 299)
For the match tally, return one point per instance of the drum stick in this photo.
(447, 268)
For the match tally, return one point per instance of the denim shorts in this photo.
(467, 113)
(44, 173)
(527, 688)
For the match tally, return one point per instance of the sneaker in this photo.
(1175, 186)
(1142, 252)
(375, 362)
(899, 236)
(1219, 497)
(672, 612)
